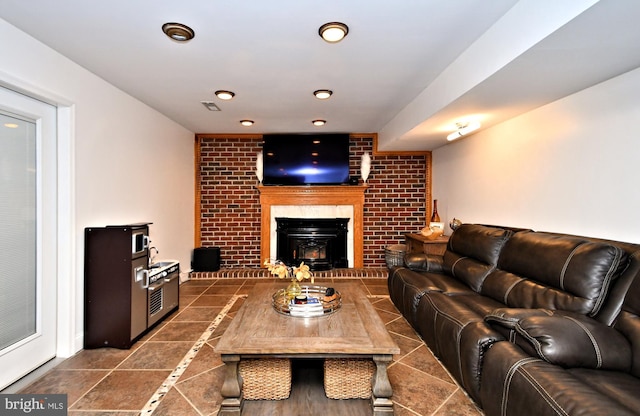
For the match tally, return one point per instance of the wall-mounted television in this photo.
(305, 159)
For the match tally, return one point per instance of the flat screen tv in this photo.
(305, 159)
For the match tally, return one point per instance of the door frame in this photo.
(69, 295)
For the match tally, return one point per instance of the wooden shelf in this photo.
(418, 243)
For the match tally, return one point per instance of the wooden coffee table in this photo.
(353, 331)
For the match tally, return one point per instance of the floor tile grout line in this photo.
(197, 297)
(413, 412)
(109, 372)
(70, 405)
(175, 375)
(444, 402)
(454, 384)
(188, 400)
(451, 381)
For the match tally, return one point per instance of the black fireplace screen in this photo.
(311, 250)
(319, 242)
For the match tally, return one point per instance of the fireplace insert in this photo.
(320, 243)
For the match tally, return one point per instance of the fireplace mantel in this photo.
(313, 195)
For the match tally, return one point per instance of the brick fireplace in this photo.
(228, 210)
(313, 202)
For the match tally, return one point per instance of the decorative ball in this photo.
(455, 223)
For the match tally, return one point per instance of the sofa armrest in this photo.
(509, 317)
(572, 340)
(424, 262)
(504, 320)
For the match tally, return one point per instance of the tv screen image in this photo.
(300, 159)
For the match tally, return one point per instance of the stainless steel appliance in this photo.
(163, 292)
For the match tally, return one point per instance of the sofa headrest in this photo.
(472, 253)
(554, 271)
(480, 242)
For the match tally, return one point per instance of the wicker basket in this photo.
(348, 378)
(266, 379)
(394, 255)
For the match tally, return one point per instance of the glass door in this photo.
(27, 235)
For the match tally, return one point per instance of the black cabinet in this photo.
(116, 279)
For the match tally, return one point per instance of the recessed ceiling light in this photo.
(246, 123)
(225, 95)
(11, 125)
(333, 32)
(178, 32)
(322, 94)
(319, 122)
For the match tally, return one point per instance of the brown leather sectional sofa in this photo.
(530, 323)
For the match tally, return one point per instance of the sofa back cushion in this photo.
(554, 271)
(628, 322)
(473, 251)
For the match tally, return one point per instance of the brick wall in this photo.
(395, 202)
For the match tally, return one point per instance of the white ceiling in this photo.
(408, 69)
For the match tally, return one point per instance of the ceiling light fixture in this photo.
(319, 122)
(333, 32)
(224, 95)
(322, 94)
(464, 128)
(211, 106)
(246, 123)
(178, 32)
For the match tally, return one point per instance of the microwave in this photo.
(139, 242)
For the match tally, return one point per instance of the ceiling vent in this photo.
(211, 106)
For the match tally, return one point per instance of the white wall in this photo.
(570, 166)
(127, 162)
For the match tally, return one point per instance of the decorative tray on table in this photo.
(312, 301)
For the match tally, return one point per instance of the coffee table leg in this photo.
(231, 387)
(381, 387)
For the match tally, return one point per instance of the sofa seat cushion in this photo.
(621, 387)
(539, 270)
(516, 384)
(442, 320)
(440, 317)
(406, 288)
(422, 262)
(446, 284)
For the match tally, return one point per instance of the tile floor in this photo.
(111, 382)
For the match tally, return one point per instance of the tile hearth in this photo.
(111, 382)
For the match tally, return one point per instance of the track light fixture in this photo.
(464, 128)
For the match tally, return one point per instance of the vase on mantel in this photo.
(435, 217)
